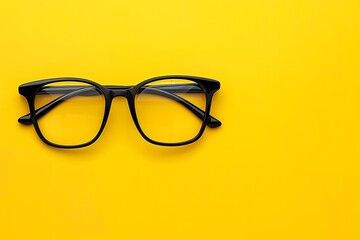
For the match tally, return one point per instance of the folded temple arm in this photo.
(160, 90)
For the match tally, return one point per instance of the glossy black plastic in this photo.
(206, 85)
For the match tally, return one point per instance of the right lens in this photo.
(165, 110)
(69, 113)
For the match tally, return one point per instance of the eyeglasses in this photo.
(167, 110)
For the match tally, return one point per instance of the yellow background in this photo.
(284, 165)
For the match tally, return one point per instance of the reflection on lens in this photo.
(72, 112)
(163, 109)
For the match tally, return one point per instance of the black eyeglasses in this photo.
(167, 110)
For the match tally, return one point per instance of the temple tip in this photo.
(214, 123)
(26, 120)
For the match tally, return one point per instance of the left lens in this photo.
(70, 112)
(165, 110)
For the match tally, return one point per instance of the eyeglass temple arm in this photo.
(26, 119)
(212, 122)
(75, 91)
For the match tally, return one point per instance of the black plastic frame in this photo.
(209, 86)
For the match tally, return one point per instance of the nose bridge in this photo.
(120, 93)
